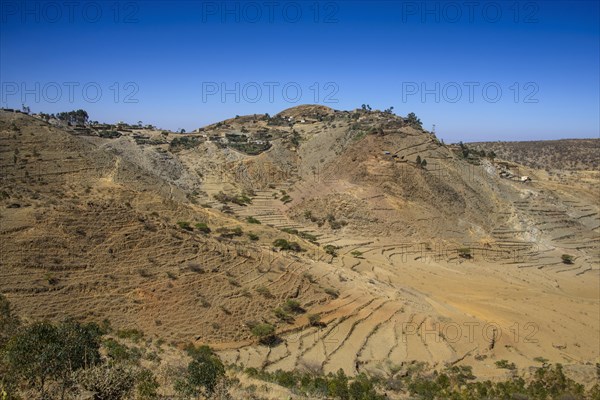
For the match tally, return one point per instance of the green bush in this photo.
(133, 334)
(121, 353)
(146, 385)
(42, 352)
(107, 382)
(185, 225)
(283, 315)
(203, 373)
(314, 319)
(202, 227)
(464, 252)
(264, 291)
(252, 220)
(357, 254)
(567, 259)
(264, 332)
(505, 364)
(331, 250)
(285, 245)
(292, 306)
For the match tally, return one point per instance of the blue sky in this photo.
(483, 70)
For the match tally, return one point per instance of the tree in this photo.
(79, 117)
(414, 121)
(107, 382)
(464, 149)
(264, 332)
(331, 250)
(203, 372)
(419, 161)
(337, 386)
(9, 322)
(43, 352)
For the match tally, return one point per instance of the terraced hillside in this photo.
(408, 252)
(565, 154)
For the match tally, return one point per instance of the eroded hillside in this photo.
(409, 251)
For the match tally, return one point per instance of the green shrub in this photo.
(331, 250)
(464, 252)
(292, 306)
(264, 332)
(121, 353)
(285, 245)
(264, 291)
(252, 220)
(185, 225)
(286, 199)
(283, 315)
(146, 385)
(505, 365)
(107, 382)
(567, 259)
(42, 352)
(252, 236)
(133, 334)
(357, 254)
(202, 227)
(314, 319)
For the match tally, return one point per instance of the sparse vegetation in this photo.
(283, 244)
(331, 250)
(252, 220)
(203, 373)
(464, 252)
(567, 259)
(314, 319)
(265, 333)
(505, 365)
(240, 199)
(304, 235)
(202, 227)
(184, 142)
(230, 233)
(185, 225)
(414, 121)
(264, 291)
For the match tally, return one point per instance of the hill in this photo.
(565, 154)
(408, 250)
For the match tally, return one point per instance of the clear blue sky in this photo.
(444, 60)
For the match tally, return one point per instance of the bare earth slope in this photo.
(442, 262)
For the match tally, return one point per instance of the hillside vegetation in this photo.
(352, 246)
